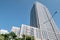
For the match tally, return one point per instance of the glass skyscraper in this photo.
(40, 17)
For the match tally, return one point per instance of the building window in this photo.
(44, 33)
(38, 34)
(32, 31)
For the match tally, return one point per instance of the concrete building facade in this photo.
(16, 30)
(31, 31)
(41, 18)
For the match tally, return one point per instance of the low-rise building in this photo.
(3, 31)
(16, 30)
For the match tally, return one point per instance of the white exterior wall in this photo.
(58, 34)
(44, 22)
(16, 30)
(44, 15)
(26, 30)
(2, 31)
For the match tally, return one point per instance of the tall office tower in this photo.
(40, 17)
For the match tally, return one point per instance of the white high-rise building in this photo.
(16, 30)
(31, 31)
(41, 18)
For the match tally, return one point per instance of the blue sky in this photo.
(17, 12)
